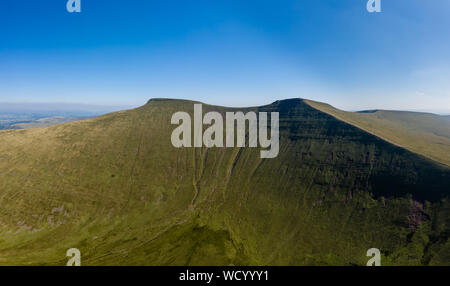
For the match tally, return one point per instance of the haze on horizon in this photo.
(231, 53)
(57, 106)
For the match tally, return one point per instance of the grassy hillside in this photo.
(424, 133)
(116, 188)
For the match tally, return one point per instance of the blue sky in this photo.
(234, 53)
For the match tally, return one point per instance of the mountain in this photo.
(424, 133)
(115, 188)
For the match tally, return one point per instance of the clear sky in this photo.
(233, 52)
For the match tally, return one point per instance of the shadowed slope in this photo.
(423, 133)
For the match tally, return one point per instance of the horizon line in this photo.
(117, 107)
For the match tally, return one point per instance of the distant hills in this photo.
(116, 188)
(424, 133)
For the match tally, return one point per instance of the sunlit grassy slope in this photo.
(424, 133)
(116, 188)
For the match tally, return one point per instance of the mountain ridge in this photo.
(426, 134)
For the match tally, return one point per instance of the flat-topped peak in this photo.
(162, 99)
(288, 101)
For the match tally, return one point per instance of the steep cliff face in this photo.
(117, 189)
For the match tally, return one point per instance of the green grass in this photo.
(423, 133)
(130, 198)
